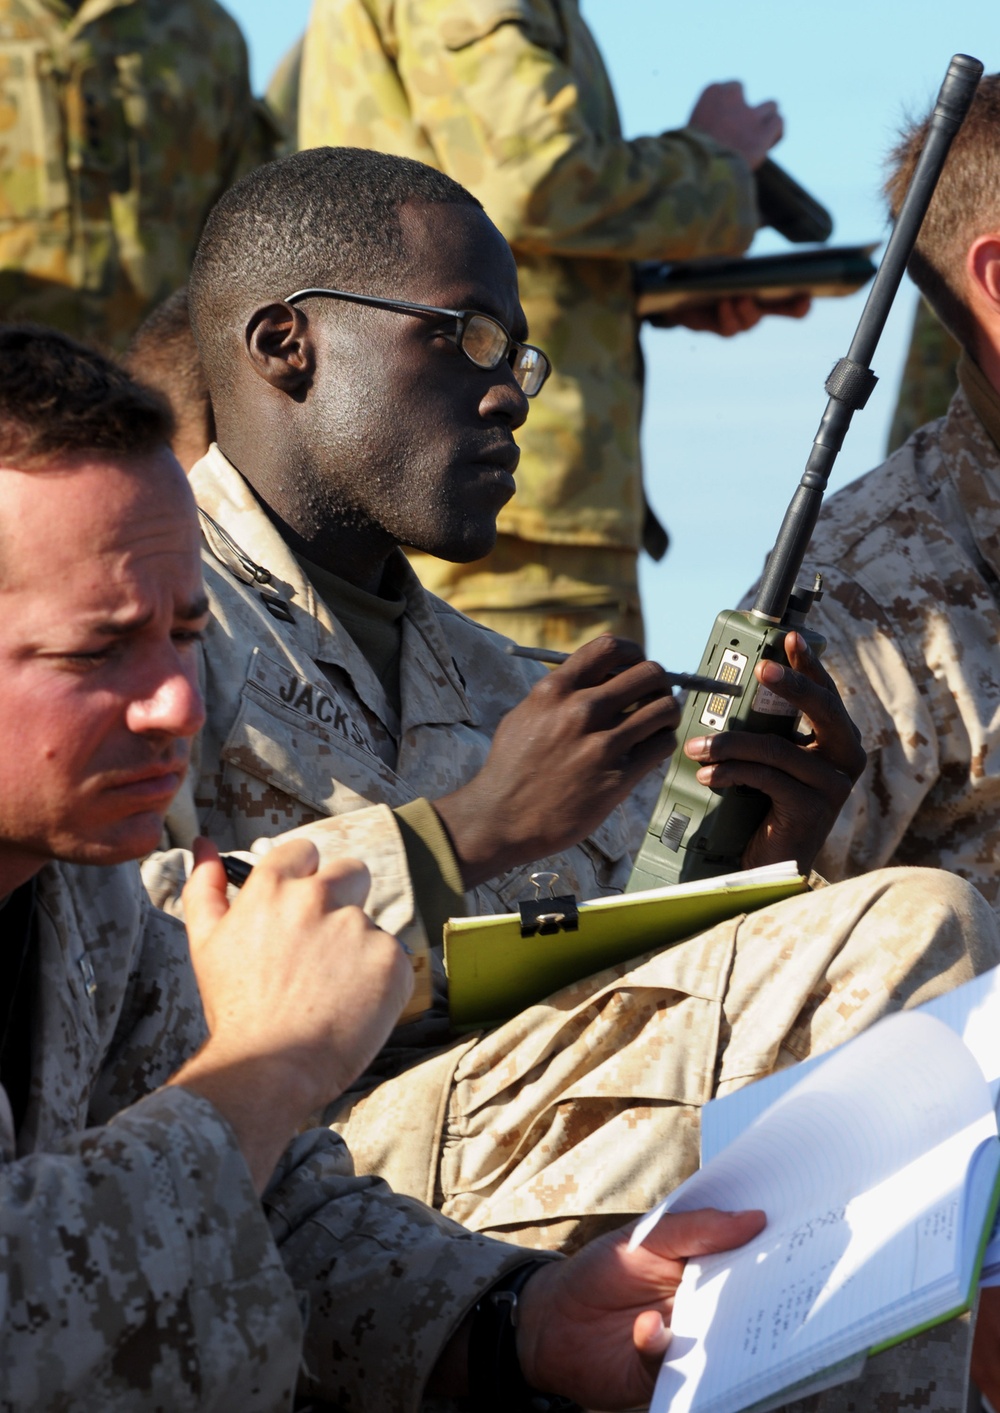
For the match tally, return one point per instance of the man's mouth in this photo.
(501, 458)
(154, 782)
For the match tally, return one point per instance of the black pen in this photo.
(237, 870)
(690, 681)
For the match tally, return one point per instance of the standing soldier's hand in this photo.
(724, 114)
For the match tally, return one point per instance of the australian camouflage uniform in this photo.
(512, 99)
(121, 123)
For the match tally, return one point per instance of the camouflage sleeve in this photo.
(371, 835)
(388, 1280)
(871, 671)
(136, 1257)
(510, 118)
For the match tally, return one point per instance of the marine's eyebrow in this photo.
(185, 613)
(196, 608)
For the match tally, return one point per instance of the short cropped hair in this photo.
(162, 354)
(966, 204)
(325, 216)
(58, 398)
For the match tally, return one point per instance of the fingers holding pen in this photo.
(610, 677)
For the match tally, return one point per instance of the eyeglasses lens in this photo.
(484, 341)
(530, 370)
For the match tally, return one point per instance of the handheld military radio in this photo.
(699, 832)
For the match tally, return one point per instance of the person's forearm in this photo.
(157, 1209)
(263, 1101)
(554, 183)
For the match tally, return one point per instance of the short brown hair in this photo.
(966, 204)
(163, 355)
(57, 396)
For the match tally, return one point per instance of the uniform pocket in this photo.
(296, 741)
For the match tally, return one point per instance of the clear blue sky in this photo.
(728, 424)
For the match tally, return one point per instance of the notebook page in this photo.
(751, 1323)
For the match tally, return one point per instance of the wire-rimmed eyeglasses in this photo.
(482, 339)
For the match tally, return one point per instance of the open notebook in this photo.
(878, 1168)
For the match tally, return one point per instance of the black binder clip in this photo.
(542, 916)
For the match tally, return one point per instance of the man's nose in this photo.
(172, 705)
(504, 398)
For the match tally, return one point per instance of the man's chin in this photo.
(123, 842)
(464, 548)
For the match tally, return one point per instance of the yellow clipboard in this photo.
(494, 971)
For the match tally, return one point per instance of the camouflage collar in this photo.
(971, 462)
(240, 536)
(983, 396)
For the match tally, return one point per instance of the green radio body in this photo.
(695, 831)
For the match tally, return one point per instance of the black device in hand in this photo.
(696, 831)
(788, 207)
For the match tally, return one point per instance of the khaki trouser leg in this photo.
(582, 1112)
(929, 1373)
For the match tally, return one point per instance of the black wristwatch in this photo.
(496, 1383)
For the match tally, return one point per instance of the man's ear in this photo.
(279, 345)
(982, 266)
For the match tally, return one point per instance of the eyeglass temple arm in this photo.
(375, 299)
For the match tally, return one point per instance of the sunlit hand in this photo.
(807, 780)
(595, 1327)
(299, 986)
(723, 113)
(576, 746)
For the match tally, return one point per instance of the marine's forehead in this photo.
(92, 510)
(456, 257)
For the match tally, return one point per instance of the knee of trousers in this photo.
(944, 906)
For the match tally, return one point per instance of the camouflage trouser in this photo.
(542, 595)
(583, 1111)
(929, 1372)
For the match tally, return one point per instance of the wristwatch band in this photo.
(496, 1383)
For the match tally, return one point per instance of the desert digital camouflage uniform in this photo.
(910, 556)
(121, 123)
(511, 98)
(582, 1111)
(929, 378)
(139, 1268)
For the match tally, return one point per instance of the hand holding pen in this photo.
(688, 681)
